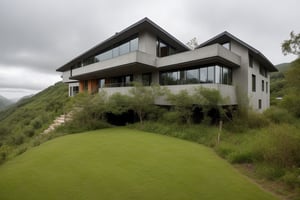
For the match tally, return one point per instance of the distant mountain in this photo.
(4, 102)
(283, 66)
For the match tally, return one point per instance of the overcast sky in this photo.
(38, 36)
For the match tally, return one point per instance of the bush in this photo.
(170, 117)
(29, 132)
(269, 171)
(256, 120)
(37, 123)
(278, 115)
(16, 140)
(292, 179)
(282, 146)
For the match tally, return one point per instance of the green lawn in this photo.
(122, 164)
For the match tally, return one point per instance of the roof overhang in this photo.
(142, 25)
(226, 37)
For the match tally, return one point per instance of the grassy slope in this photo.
(121, 163)
(34, 113)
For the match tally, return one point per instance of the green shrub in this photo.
(292, 179)
(2, 156)
(16, 140)
(225, 149)
(282, 146)
(170, 117)
(28, 131)
(256, 120)
(241, 157)
(21, 150)
(278, 115)
(269, 171)
(37, 123)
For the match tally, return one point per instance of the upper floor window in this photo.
(253, 83)
(250, 60)
(227, 45)
(262, 85)
(164, 49)
(210, 74)
(263, 71)
(123, 48)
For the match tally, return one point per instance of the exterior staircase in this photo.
(57, 122)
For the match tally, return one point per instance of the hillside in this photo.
(278, 82)
(121, 163)
(31, 115)
(4, 102)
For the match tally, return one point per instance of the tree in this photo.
(183, 104)
(141, 99)
(211, 99)
(291, 45)
(193, 43)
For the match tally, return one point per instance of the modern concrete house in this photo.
(146, 53)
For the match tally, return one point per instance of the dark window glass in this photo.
(253, 83)
(146, 79)
(225, 75)
(262, 85)
(192, 76)
(211, 74)
(85, 85)
(267, 87)
(182, 77)
(259, 104)
(172, 78)
(163, 49)
(203, 75)
(250, 60)
(229, 76)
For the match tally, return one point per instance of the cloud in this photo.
(37, 37)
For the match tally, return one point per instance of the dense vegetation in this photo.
(121, 163)
(29, 117)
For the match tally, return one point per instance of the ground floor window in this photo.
(74, 90)
(259, 104)
(194, 75)
(119, 81)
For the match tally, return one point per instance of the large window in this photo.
(123, 48)
(210, 74)
(146, 79)
(163, 49)
(203, 74)
(192, 76)
(253, 83)
(119, 81)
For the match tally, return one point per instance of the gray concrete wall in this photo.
(147, 43)
(211, 51)
(240, 76)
